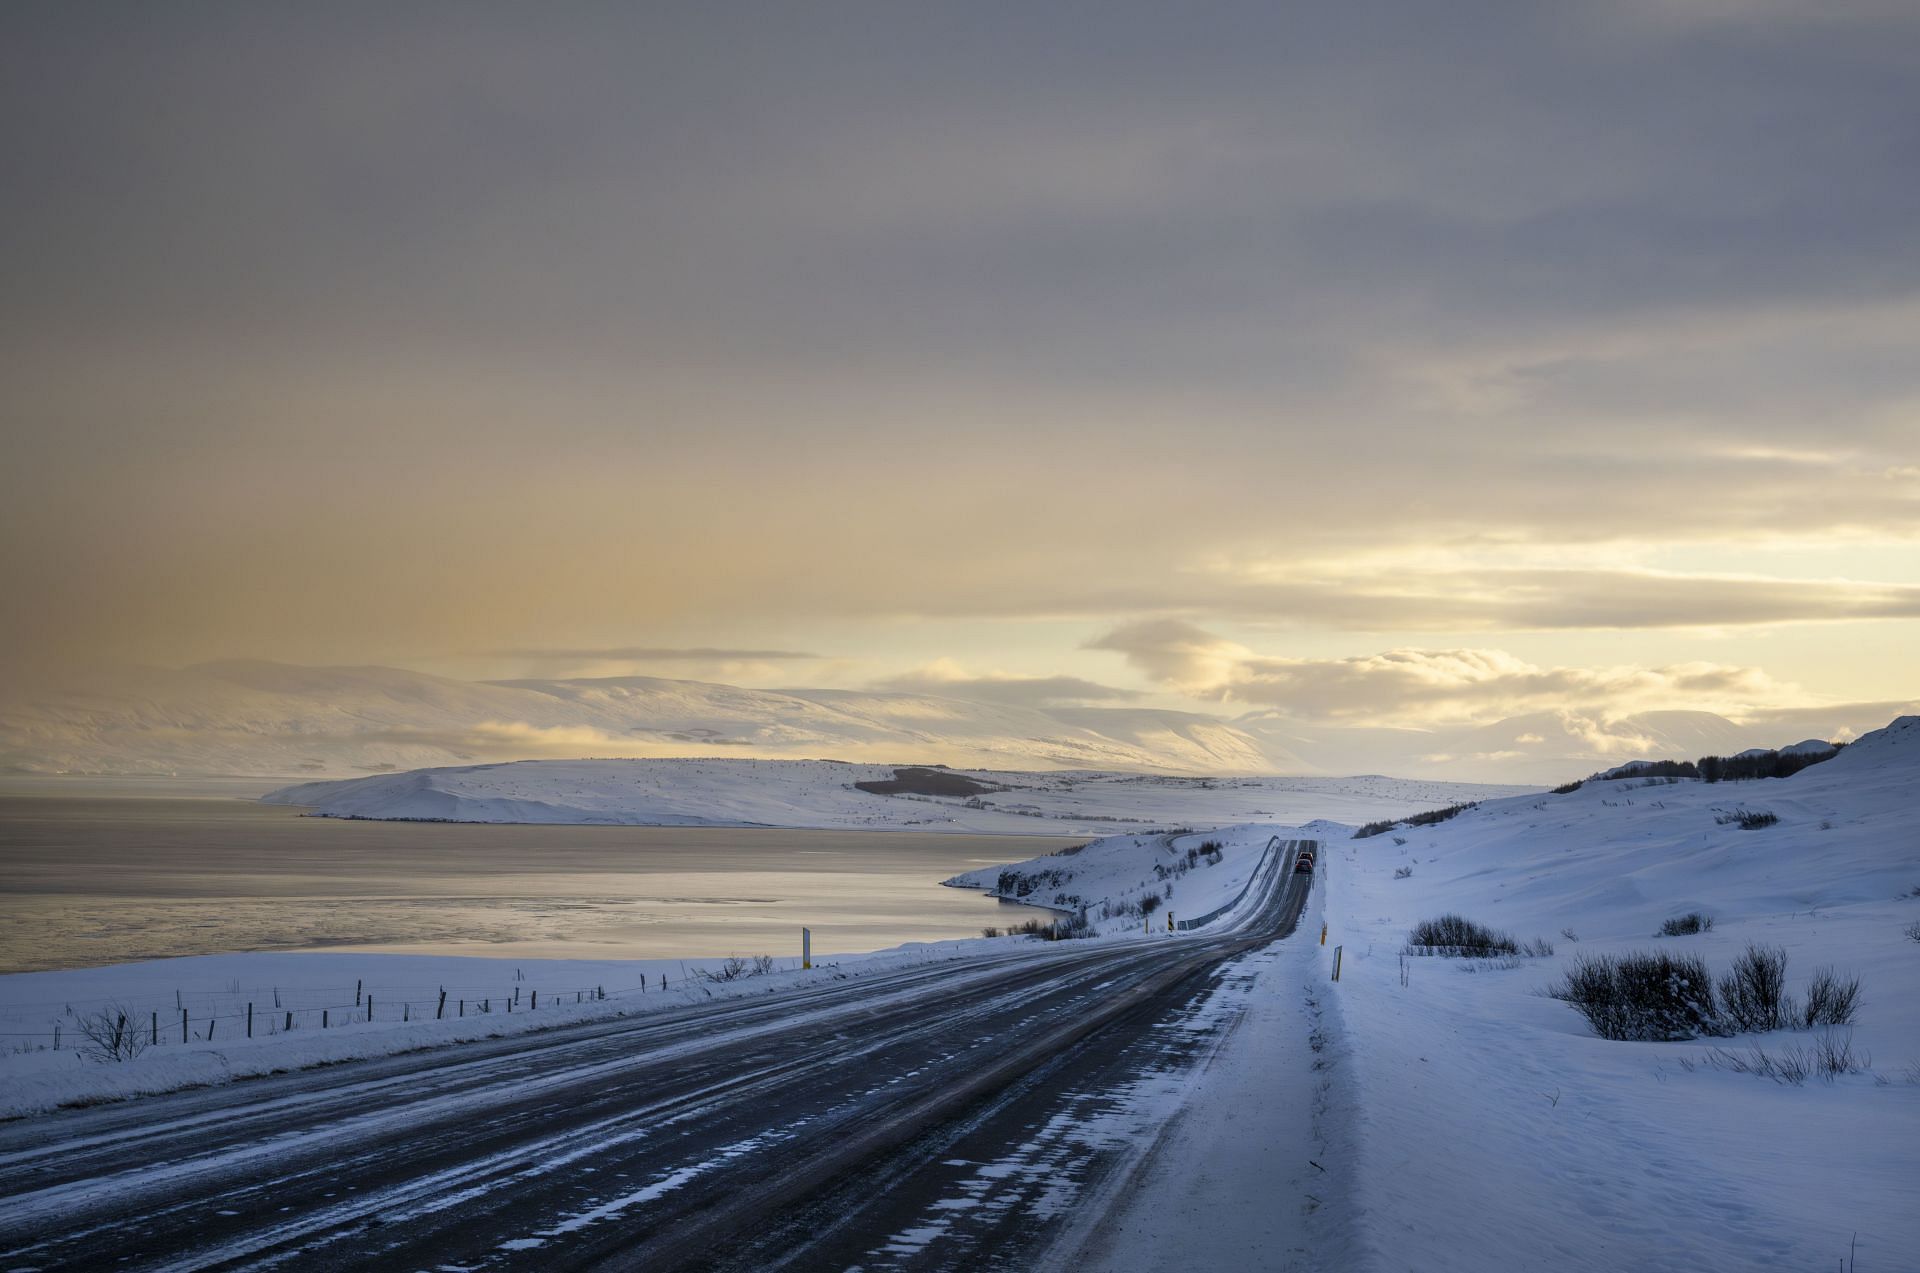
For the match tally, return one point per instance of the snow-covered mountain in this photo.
(825, 794)
(281, 720)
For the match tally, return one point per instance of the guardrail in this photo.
(1185, 925)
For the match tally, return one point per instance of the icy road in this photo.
(900, 1121)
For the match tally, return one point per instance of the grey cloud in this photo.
(1431, 600)
(1403, 273)
(653, 654)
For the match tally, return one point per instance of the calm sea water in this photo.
(87, 881)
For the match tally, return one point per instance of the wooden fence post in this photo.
(249, 1021)
(440, 1009)
(154, 1025)
(183, 1025)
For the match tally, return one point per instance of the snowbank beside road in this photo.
(821, 793)
(1494, 1130)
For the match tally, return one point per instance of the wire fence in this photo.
(262, 1011)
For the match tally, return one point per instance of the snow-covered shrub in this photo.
(1913, 932)
(1074, 925)
(1642, 996)
(1754, 994)
(1686, 925)
(1403, 873)
(1455, 935)
(112, 1033)
(1830, 1055)
(1831, 999)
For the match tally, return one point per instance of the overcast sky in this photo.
(1386, 362)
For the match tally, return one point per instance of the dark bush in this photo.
(1687, 925)
(1831, 999)
(1150, 903)
(926, 781)
(1374, 828)
(1754, 994)
(1401, 873)
(1648, 996)
(1432, 816)
(1653, 769)
(1769, 764)
(1748, 819)
(1455, 935)
(1568, 788)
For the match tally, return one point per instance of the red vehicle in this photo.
(1303, 863)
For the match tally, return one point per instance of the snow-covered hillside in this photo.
(1492, 1129)
(822, 794)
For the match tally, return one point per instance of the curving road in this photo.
(904, 1120)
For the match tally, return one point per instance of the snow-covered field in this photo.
(1492, 1129)
(820, 793)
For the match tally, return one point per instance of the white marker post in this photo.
(806, 948)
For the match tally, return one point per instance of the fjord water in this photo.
(97, 880)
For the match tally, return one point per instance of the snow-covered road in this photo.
(923, 1118)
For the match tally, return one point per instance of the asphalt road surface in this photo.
(904, 1120)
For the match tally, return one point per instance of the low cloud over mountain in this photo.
(272, 719)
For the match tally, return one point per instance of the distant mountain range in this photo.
(274, 719)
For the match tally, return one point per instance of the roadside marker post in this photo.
(1323, 934)
(806, 948)
(1336, 961)
(1169, 921)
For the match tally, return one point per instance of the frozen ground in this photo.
(821, 793)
